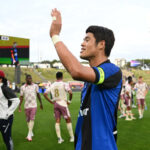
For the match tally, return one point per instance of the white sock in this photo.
(140, 112)
(127, 114)
(123, 108)
(130, 112)
(30, 127)
(69, 127)
(57, 128)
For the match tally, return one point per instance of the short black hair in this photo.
(28, 76)
(129, 79)
(59, 75)
(101, 33)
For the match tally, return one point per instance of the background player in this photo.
(29, 91)
(59, 91)
(122, 106)
(128, 96)
(141, 91)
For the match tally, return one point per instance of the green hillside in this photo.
(145, 74)
(48, 74)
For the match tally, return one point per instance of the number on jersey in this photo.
(56, 93)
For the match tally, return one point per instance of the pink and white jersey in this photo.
(123, 90)
(59, 91)
(29, 92)
(128, 88)
(141, 88)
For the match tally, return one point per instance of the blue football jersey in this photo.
(96, 127)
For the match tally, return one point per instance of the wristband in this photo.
(55, 39)
(53, 18)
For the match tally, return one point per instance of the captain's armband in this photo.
(100, 75)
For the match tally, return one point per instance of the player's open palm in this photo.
(56, 23)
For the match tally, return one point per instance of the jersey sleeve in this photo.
(37, 88)
(21, 91)
(48, 90)
(146, 86)
(8, 93)
(107, 77)
(67, 87)
(13, 100)
(135, 87)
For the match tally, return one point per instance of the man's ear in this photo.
(101, 45)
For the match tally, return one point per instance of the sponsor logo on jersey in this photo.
(83, 112)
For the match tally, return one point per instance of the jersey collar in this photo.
(59, 80)
(28, 84)
(107, 61)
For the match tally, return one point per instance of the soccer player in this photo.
(128, 96)
(122, 105)
(141, 91)
(59, 91)
(29, 91)
(8, 104)
(96, 127)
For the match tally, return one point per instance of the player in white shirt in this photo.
(30, 91)
(122, 106)
(59, 91)
(141, 91)
(128, 96)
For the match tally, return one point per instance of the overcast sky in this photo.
(129, 19)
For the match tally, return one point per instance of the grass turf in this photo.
(133, 135)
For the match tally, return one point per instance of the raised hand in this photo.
(56, 23)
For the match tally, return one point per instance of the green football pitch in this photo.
(133, 135)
